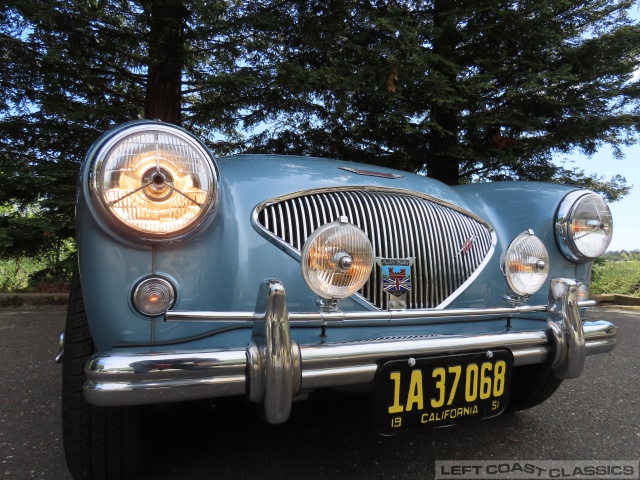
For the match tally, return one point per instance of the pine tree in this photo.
(70, 71)
(461, 90)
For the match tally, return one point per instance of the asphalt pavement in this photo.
(594, 417)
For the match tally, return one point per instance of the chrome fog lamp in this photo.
(155, 179)
(153, 296)
(584, 226)
(526, 264)
(336, 260)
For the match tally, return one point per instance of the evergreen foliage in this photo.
(461, 90)
(72, 70)
(464, 90)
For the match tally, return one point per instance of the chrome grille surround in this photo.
(399, 224)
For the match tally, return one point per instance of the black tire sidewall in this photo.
(100, 443)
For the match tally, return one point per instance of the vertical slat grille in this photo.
(399, 225)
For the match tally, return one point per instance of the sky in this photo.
(626, 212)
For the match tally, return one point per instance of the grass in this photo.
(616, 277)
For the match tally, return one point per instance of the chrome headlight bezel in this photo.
(100, 154)
(565, 217)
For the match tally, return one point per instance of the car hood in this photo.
(260, 177)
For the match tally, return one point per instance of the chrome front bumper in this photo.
(273, 368)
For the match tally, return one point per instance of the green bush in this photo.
(23, 274)
(15, 272)
(616, 277)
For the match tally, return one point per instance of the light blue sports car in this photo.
(269, 278)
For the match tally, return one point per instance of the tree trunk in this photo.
(441, 163)
(166, 61)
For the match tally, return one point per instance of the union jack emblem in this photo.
(396, 275)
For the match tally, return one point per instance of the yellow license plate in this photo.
(439, 391)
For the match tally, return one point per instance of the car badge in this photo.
(466, 246)
(396, 275)
(370, 173)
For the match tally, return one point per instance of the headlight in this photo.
(583, 226)
(526, 264)
(155, 179)
(336, 260)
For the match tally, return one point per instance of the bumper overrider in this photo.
(273, 368)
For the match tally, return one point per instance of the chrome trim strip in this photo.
(316, 191)
(474, 275)
(385, 316)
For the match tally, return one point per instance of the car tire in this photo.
(100, 443)
(531, 385)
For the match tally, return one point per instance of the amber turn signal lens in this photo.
(153, 296)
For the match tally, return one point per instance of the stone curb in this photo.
(615, 299)
(33, 299)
